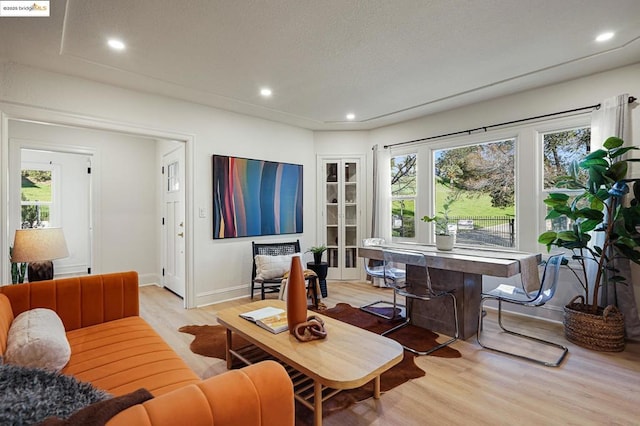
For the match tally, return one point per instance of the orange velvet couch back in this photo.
(80, 301)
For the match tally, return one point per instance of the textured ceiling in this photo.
(385, 61)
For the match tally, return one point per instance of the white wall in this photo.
(126, 176)
(221, 268)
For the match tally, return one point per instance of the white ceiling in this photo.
(385, 61)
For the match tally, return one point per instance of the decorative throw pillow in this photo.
(270, 267)
(37, 339)
(30, 395)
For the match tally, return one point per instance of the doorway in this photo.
(173, 218)
(55, 191)
(118, 152)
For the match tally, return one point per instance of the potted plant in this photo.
(597, 208)
(317, 253)
(445, 239)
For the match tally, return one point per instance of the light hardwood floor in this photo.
(482, 387)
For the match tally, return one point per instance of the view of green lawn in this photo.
(466, 205)
(39, 192)
(36, 186)
(469, 204)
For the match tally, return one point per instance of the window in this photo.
(476, 184)
(36, 198)
(491, 180)
(403, 195)
(561, 149)
(173, 180)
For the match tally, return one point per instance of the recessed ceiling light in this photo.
(116, 44)
(265, 92)
(605, 36)
(351, 116)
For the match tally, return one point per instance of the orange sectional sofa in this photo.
(114, 349)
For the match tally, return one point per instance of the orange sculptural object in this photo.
(296, 295)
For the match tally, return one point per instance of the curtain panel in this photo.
(613, 119)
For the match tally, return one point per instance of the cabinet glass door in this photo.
(350, 215)
(332, 193)
(341, 217)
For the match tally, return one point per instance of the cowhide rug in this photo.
(210, 340)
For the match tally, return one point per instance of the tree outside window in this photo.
(478, 182)
(403, 195)
(561, 148)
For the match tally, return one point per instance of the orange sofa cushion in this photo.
(124, 355)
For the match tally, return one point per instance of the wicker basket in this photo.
(602, 331)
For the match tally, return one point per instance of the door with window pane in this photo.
(55, 192)
(340, 228)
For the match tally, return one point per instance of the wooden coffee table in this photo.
(348, 358)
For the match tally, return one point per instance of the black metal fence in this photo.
(485, 230)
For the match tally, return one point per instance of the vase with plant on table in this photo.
(317, 251)
(445, 231)
(604, 230)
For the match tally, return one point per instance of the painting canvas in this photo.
(255, 197)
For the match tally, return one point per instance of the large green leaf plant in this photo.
(597, 208)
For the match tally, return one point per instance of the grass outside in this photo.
(465, 205)
(38, 192)
(469, 205)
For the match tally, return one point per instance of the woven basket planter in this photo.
(600, 331)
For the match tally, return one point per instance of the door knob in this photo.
(181, 234)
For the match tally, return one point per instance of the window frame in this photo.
(529, 163)
(544, 192)
(54, 204)
(415, 197)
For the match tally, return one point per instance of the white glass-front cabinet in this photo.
(340, 223)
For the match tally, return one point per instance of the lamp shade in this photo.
(38, 245)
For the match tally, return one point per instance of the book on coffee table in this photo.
(275, 323)
(269, 318)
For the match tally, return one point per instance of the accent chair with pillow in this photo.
(271, 262)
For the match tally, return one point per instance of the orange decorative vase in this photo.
(296, 295)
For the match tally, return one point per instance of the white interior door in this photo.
(173, 220)
(68, 203)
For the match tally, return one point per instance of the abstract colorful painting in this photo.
(254, 197)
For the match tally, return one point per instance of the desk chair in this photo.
(423, 291)
(386, 271)
(520, 296)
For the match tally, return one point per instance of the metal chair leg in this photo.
(393, 304)
(439, 346)
(556, 363)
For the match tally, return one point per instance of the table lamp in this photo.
(38, 247)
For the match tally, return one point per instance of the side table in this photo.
(321, 271)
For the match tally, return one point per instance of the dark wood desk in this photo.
(460, 269)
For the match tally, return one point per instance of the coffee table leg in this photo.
(228, 350)
(376, 387)
(317, 403)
